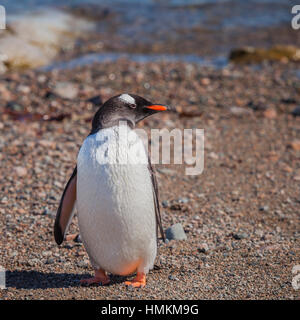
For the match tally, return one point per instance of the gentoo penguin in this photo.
(116, 196)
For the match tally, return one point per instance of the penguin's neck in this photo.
(113, 122)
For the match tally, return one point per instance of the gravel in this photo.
(254, 167)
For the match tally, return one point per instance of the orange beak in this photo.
(157, 107)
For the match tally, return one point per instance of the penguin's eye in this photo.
(132, 105)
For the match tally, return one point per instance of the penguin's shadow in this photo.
(41, 280)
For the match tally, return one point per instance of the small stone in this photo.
(21, 211)
(65, 90)
(205, 81)
(295, 145)
(47, 144)
(47, 253)
(287, 168)
(49, 261)
(213, 155)
(165, 203)
(270, 113)
(288, 200)
(240, 236)
(96, 100)
(259, 233)
(41, 78)
(296, 112)
(58, 184)
(173, 278)
(14, 106)
(175, 206)
(47, 212)
(238, 111)
(235, 195)
(183, 200)
(264, 208)
(279, 213)
(203, 248)
(14, 254)
(4, 200)
(228, 210)
(176, 232)
(82, 264)
(21, 171)
(23, 89)
(33, 262)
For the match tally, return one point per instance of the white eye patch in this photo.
(127, 98)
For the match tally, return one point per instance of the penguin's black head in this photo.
(124, 107)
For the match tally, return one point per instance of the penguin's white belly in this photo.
(115, 206)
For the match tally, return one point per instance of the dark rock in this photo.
(240, 236)
(203, 248)
(165, 203)
(49, 95)
(96, 100)
(47, 212)
(288, 101)
(264, 208)
(14, 106)
(256, 107)
(49, 261)
(78, 239)
(175, 206)
(296, 112)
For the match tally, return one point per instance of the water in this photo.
(221, 13)
(151, 30)
(216, 62)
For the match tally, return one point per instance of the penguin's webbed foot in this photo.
(100, 278)
(138, 282)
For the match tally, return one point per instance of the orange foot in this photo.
(138, 282)
(99, 278)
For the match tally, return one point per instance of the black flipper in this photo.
(156, 201)
(65, 209)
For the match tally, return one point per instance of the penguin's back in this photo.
(115, 201)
